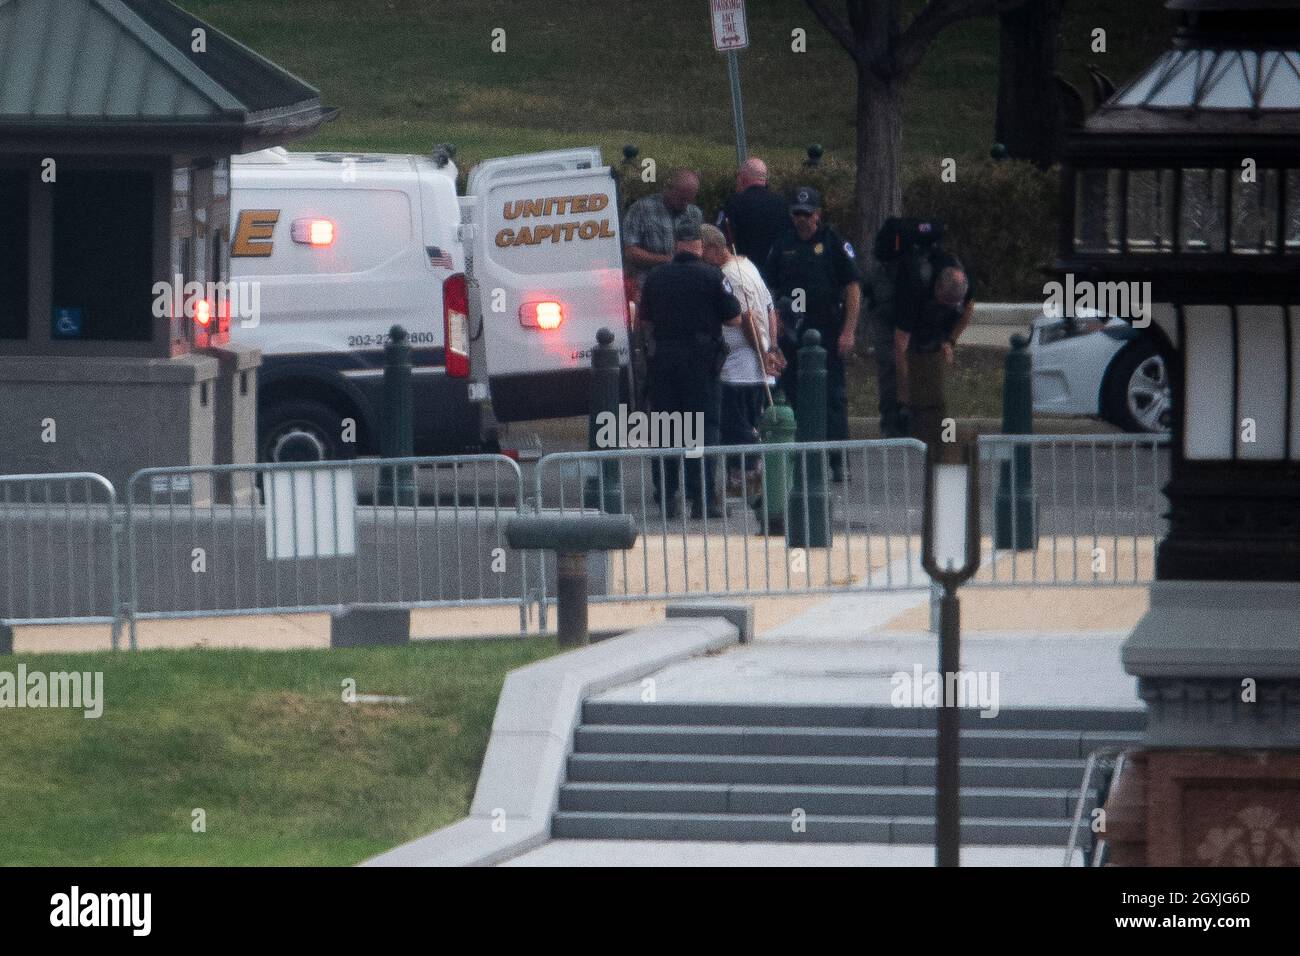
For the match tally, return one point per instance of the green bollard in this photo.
(1015, 504)
(603, 490)
(397, 483)
(807, 522)
(776, 427)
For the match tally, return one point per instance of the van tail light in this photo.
(541, 315)
(455, 325)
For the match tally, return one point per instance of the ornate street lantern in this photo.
(1188, 178)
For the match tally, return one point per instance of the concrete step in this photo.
(851, 801)
(612, 712)
(840, 741)
(774, 828)
(852, 771)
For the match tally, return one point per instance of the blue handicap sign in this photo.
(66, 324)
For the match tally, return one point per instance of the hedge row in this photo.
(1001, 217)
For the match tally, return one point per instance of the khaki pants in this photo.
(925, 373)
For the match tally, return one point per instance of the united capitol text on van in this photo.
(501, 291)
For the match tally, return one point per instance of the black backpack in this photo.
(906, 248)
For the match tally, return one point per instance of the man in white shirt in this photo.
(751, 357)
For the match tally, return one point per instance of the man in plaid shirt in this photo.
(649, 223)
(648, 227)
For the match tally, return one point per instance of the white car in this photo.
(1097, 365)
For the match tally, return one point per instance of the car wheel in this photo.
(302, 430)
(1136, 393)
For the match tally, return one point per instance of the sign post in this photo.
(731, 33)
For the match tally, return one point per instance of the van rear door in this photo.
(546, 274)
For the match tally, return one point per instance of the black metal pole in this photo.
(397, 483)
(947, 767)
(571, 597)
(603, 490)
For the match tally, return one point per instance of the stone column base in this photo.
(1205, 808)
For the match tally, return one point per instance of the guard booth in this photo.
(117, 122)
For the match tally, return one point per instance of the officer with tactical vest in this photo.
(814, 277)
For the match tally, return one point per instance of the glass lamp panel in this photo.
(1282, 81)
(1254, 212)
(1261, 382)
(1179, 87)
(950, 518)
(1209, 427)
(1232, 82)
(1204, 197)
(1096, 211)
(1292, 210)
(1151, 210)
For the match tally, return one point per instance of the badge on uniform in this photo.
(848, 250)
(817, 249)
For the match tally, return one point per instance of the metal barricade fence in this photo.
(871, 524)
(1071, 510)
(1064, 510)
(60, 561)
(314, 536)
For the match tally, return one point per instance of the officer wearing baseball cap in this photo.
(684, 305)
(815, 279)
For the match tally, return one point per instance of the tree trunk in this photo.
(1029, 107)
(878, 192)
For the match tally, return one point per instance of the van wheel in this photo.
(302, 430)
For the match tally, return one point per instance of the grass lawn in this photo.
(974, 384)
(287, 773)
(410, 73)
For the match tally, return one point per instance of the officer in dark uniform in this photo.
(815, 278)
(684, 304)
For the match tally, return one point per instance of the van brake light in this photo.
(541, 315)
(455, 325)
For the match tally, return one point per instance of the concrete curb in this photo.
(1020, 314)
(861, 427)
(538, 710)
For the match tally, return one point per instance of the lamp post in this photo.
(1185, 182)
(950, 554)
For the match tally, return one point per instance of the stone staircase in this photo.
(727, 772)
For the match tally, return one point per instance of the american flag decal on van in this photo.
(438, 258)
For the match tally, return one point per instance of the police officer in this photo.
(684, 305)
(814, 275)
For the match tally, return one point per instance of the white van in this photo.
(501, 291)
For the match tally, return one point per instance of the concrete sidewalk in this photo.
(807, 617)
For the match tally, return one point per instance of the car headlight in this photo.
(1047, 334)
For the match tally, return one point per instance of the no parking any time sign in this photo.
(729, 29)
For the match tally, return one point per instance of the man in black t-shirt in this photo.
(753, 217)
